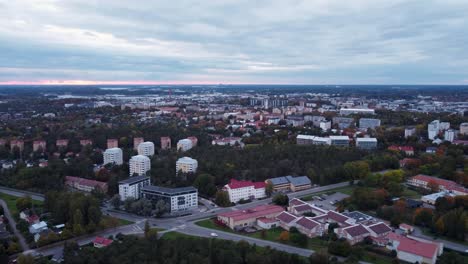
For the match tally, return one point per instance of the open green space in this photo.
(10, 200)
(376, 259)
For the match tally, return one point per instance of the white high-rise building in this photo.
(113, 155)
(184, 144)
(410, 131)
(464, 128)
(131, 187)
(146, 148)
(449, 135)
(186, 165)
(139, 165)
(433, 129)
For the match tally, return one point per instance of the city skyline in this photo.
(233, 42)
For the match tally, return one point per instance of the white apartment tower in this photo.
(186, 165)
(433, 129)
(139, 165)
(184, 144)
(146, 148)
(113, 155)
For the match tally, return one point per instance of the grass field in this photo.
(11, 203)
(376, 259)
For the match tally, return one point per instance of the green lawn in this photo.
(11, 203)
(408, 193)
(175, 235)
(376, 259)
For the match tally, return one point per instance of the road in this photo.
(21, 193)
(12, 223)
(447, 244)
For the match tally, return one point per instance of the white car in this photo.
(214, 235)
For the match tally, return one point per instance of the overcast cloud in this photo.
(235, 41)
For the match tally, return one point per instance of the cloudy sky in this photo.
(234, 41)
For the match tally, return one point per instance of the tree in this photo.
(423, 216)
(281, 199)
(356, 169)
(115, 201)
(25, 259)
(23, 203)
(147, 228)
(161, 208)
(433, 186)
(340, 248)
(222, 198)
(284, 236)
(269, 189)
(205, 183)
(319, 257)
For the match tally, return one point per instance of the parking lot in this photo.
(328, 202)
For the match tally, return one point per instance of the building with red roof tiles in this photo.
(309, 227)
(287, 220)
(353, 234)
(267, 223)
(100, 242)
(408, 150)
(248, 217)
(39, 145)
(245, 190)
(414, 250)
(425, 181)
(85, 185)
(61, 143)
(379, 230)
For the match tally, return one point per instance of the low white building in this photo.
(131, 187)
(186, 165)
(113, 156)
(38, 227)
(366, 143)
(139, 165)
(146, 148)
(244, 190)
(178, 199)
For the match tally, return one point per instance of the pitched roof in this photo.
(301, 180)
(424, 249)
(307, 223)
(380, 228)
(85, 182)
(286, 217)
(254, 212)
(235, 184)
(102, 241)
(337, 216)
(357, 230)
(279, 180)
(303, 207)
(133, 180)
(296, 201)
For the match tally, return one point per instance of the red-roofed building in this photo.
(85, 142)
(415, 250)
(85, 185)
(409, 151)
(245, 190)
(309, 227)
(423, 181)
(243, 218)
(287, 220)
(353, 234)
(165, 142)
(61, 143)
(100, 242)
(39, 145)
(379, 230)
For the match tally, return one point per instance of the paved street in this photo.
(12, 224)
(21, 193)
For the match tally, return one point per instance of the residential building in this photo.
(408, 150)
(38, 227)
(86, 142)
(295, 121)
(131, 187)
(325, 125)
(349, 111)
(113, 156)
(433, 129)
(341, 141)
(39, 145)
(449, 135)
(425, 182)
(343, 122)
(368, 123)
(312, 140)
(17, 143)
(61, 143)
(178, 199)
(100, 242)
(244, 190)
(432, 198)
(194, 141)
(287, 220)
(139, 165)
(146, 149)
(184, 145)
(165, 143)
(249, 217)
(464, 128)
(85, 185)
(353, 234)
(228, 141)
(112, 143)
(366, 143)
(412, 250)
(289, 183)
(410, 131)
(137, 141)
(186, 165)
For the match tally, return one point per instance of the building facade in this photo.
(184, 145)
(146, 149)
(178, 199)
(131, 187)
(165, 143)
(366, 123)
(139, 165)
(244, 190)
(366, 143)
(186, 165)
(113, 156)
(137, 141)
